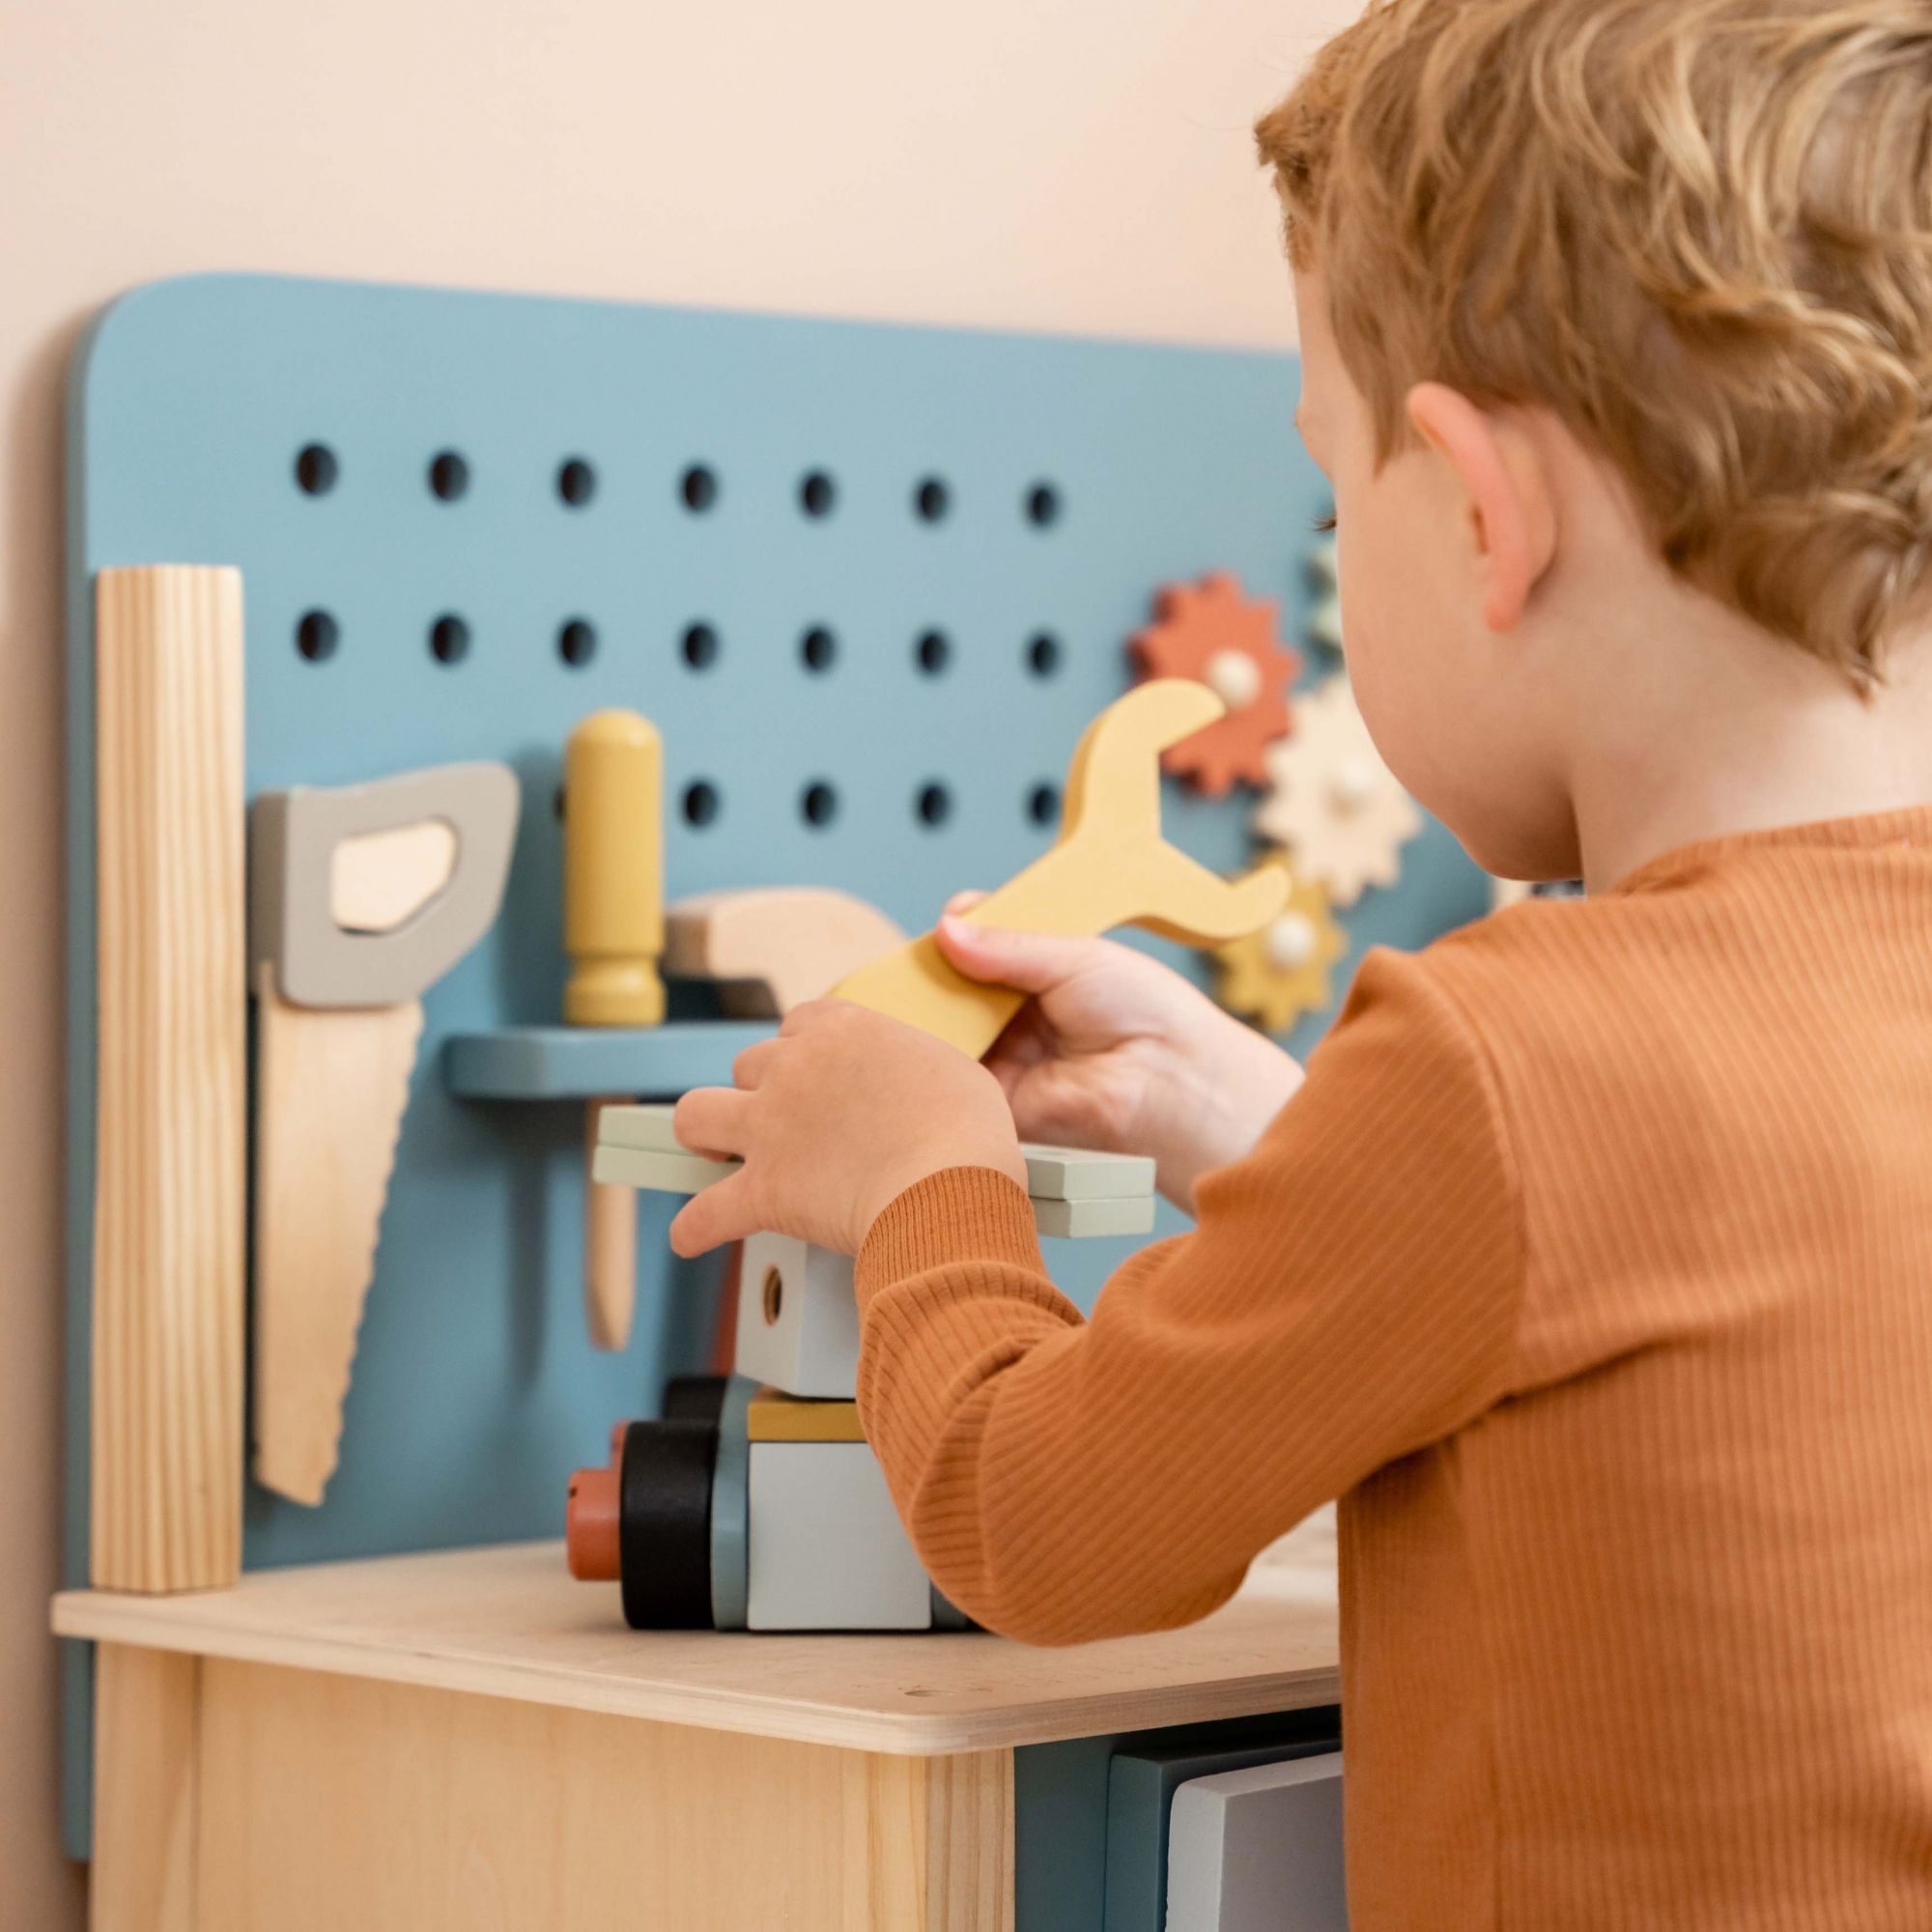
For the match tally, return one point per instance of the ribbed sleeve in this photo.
(1349, 1294)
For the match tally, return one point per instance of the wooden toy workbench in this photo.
(868, 585)
(466, 1740)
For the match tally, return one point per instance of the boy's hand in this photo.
(1118, 1053)
(834, 1119)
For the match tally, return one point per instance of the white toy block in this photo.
(646, 1125)
(826, 1550)
(1074, 1174)
(1076, 1220)
(672, 1172)
(798, 1321)
(1052, 1174)
(1259, 1850)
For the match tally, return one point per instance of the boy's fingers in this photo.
(1032, 962)
(749, 1069)
(962, 902)
(803, 1018)
(711, 1217)
(712, 1120)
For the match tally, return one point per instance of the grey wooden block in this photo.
(1074, 1174)
(675, 1170)
(1259, 1850)
(663, 1173)
(1106, 1183)
(798, 1320)
(826, 1550)
(1076, 1220)
(730, 1506)
(645, 1127)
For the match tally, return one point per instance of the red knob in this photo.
(590, 1526)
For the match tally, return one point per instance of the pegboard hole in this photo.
(933, 805)
(450, 639)
(932, 652)
(818, 805)
(316, 635)
(1042, 505)
(1042, 654)
(818, 649)
(316, 469)
(1042, 804)
(701, 803)
(576, 482)
(577, 642)
(699, 646)
(817, 494)
(772, 1298)
(932, 499)
(448, 475)
(698, 486)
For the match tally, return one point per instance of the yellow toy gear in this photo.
(1274, 975)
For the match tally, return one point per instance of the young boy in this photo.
(1591, 1262)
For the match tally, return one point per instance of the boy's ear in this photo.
(1512, 510)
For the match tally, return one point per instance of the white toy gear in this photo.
(1332, 802)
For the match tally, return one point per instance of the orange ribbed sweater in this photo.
(1592, 1269)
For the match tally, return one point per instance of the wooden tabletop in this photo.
(508, 1622)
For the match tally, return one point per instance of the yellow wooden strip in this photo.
(169, 1210)
(771, 1417)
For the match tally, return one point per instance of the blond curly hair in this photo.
(1701, 231)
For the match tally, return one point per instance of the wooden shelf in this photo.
(508, 1622)
(560, 1062)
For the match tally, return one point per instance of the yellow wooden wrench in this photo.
(1110, 866)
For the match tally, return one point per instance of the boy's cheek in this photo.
(1397, 621)
(1414, 659)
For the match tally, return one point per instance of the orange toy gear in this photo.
(1209, 632)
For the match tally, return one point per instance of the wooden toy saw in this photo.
(361, 898)
(1110, 866)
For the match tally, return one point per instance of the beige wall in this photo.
(1062, 164)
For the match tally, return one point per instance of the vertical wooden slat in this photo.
(147, 1728)
(929, 1844)
(969, 1874)
(171, 1175)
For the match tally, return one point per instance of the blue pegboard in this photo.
(636, 498)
